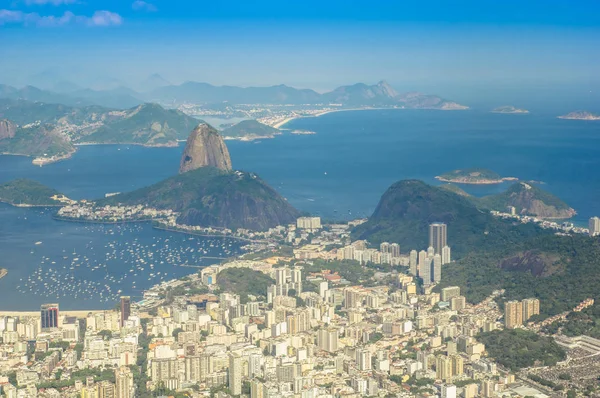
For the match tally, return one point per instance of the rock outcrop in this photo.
(205, 147)
(7, 129)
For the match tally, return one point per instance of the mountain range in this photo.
(157, 89)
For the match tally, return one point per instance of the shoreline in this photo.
(481, 182)
(28, 205)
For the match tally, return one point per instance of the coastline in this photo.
(29, 205)
(479, 182)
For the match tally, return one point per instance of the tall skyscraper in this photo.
(594, 226)
(124, 383)
(125, 309)
(438, 236)
(49, 314)
(513, 314)
(436, 277)
(412, 261)
(327, 339)
(384, 247)
(446, 255)
(235, 373)
(363, 359)
(425, 270)
(395, 250)
(531, 307)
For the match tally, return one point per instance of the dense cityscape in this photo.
(319, 316)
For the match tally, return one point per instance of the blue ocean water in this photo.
(339, 173)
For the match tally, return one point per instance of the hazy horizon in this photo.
(315, 45)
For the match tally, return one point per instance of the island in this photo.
(474, 176)
(3, 272)
(509, 109)
(248, 130)
(29, 193)
(580, 115)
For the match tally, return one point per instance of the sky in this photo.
(443, 45)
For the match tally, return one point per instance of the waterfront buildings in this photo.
(49, 316)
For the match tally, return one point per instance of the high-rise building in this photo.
(436, 277)
(49, 314)
(449, 292)
(106, 389)
(531, 307)
(448, 391)
(395, 250)
(594, 226)
(124, 383)
(412, 262)
(443, 367)
(438, 236)
(425, 270)
(384, 247)
(235, 373)
(125, 309)
(513, 314)
(327, 339)
(446, 255)
(310, 223)
(363, 359)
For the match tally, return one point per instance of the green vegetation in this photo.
(244, 281)
(561, 271)
(578, 323)
(350, 270)
(516, 349)
(250, 129)
(97, 374)
(408, 207)
(40, 140)
(211, 197)
(147, 124)
(28, 192)
(471, 176)
(527, 199)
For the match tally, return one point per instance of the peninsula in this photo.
(580, 115)
(509, 109)
(248, 130)
(474, 176)
(29, 193)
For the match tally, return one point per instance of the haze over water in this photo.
(339, 173)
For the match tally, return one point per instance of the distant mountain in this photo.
(35, 94)
(118, 98)
(380, 94)
(250, 130)
(408, 207)
(205, 147)
(24, 192)
(38, 140)
(147, 124)
(153, 82)
(211, 197)
(207, 93)
(360, 94)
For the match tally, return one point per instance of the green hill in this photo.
(147, 124)
(211, 197)
(408, 207)
(244, 281)
(33, 140)
(561, 271)
(528, 199)
(250, 129)
(25, 192)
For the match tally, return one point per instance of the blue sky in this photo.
(317, 44)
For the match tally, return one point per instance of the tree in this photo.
(176, 332)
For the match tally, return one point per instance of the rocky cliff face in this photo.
(205, 147)
(7, 129)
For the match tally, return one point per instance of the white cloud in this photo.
(51, 2)
(100, 18)
(141, 5)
